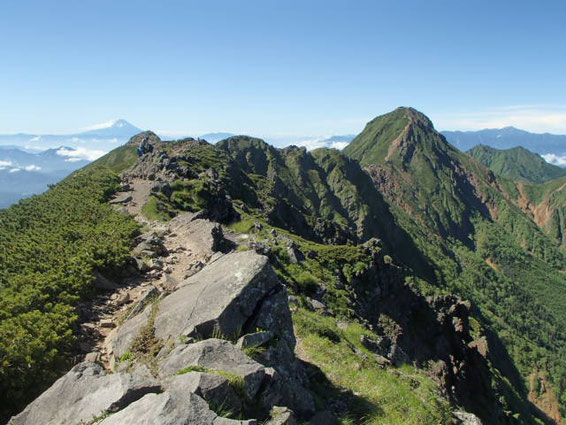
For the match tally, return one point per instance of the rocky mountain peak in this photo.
(394, 137)
(147, 136)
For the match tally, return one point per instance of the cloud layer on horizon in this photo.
(533, 118)
(80, 153)
(554, 159)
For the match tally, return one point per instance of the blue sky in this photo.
(280, 67)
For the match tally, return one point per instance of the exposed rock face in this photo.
(211, 387)
(424, 329)
(168, 408)
(84, 393)
(216, 354)
(467, 418)
(146, 136)
(222, 298)
(233, 296)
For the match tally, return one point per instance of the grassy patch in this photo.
(146, 345)
(255, 352)
(401, 396)
(154, 211)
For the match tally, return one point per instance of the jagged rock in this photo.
(170, 408)
(84, 393)
(147, 297)
(163, 187)
(281, 416)
(295, 254)
(92, 357)
(107, 323)
(256, 339)
(121, 199)
(215, 354)
(220, 298)
(146, 136)
(122, 299)
(466, 418)
(150, 244)
(128, 331)
(261, 248)
(201, 235)
(157, 264)
(219, 242)
(316, 305)
(213, 388)
(141, 265)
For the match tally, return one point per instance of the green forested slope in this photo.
(483, 245)
(49, 247)
(517, 164)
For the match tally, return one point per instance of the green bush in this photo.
(50, 245)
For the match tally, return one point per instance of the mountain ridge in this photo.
(412, 267)
(509, 137)
(517, 163)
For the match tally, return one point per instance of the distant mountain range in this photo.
(336, 142)
(216, 137)
(551, 146)
(23, 174)
(31, 162)
(103, 137)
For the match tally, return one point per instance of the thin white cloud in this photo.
(80, 153)
(100, 126)
(559, 160)
(311, 144)
(534, 118)
(320, 142)
(32, 167)
(5, 164)
(339, 145)
(15, 170)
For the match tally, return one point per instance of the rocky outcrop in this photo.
(148, 137)
(84, 393)
(220, 299)
(465, 418)
(217, 355)
(176, 407)
(176, 360)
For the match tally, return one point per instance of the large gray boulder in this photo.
(281, 416)
(220, 299)
(465, 418)
(215, 389)
(84, 393)
(170, 408)
(129, 331)
(200, 236)
(215, 355)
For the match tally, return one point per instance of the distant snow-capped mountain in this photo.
(552, 147)
(119, 129)
(103, 137)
